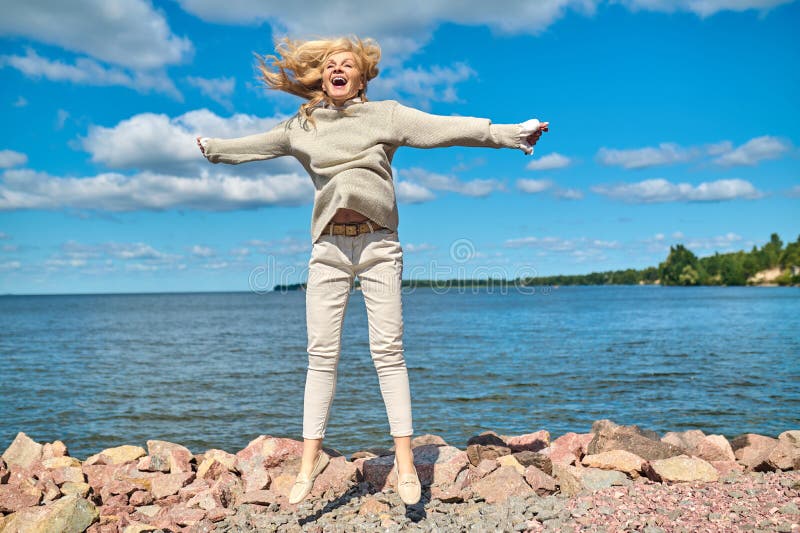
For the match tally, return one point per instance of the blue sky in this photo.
(671, 122)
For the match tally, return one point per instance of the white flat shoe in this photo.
(303, 485)
(408, 486)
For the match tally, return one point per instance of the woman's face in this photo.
(341, 79)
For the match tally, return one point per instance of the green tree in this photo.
(771, 252)
(674, 270)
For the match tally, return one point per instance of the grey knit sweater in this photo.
(349, 153)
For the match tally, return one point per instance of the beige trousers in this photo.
(377, 259)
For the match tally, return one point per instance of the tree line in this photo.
(681, 267)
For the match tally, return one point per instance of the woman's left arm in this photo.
(412, 127)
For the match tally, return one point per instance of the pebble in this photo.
(789, 508)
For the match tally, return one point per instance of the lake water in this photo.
(218, 369)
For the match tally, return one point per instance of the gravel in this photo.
(751, 501)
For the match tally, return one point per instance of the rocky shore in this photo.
(613, 478)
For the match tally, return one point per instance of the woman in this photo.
(346, 144)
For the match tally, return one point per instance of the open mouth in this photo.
(339, 81)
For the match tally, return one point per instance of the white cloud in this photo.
(20, 102)
(202, 251)
(412, 193)
(568, 194)
(402, 28)
(285, 246)
(218, 89)
(753, 151)
(130, 33)
(10, 158)
(533, 186)
(661, 190)
(4, 236)
(421, 247)
(10, 265)
(664, 154)
(750, 153)
(794, 192)
(719, 243)
(105, 257)
(156, 142)
(28, 189)
(421, 84)
(549, 162)
(61, 118)
(702, 8)
(581, 248)
(536, 186)
(441, 182)
(87, 71)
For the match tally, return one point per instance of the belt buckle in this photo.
(351, 230)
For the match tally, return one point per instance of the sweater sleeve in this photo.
(267, 145)
(412, 127)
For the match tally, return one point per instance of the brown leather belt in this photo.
(350, 228)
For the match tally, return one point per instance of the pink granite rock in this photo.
(484, 468)
(568, 479)
(569, 448)
(205, 500)
(117, 455)
(373, 505)
(227, 489)
(714, 448)
(272, 451)
(281, 486)
(619, 460)
(72, 474)
(533, 442)
(140, 497)
(51, 450)
(178, 457)
(680, 469)
(423, 440)
(66, 514)
(630, 438)
(97, 476)
(687, 440)
(725, 467)
(148, 463)
(498, 486)
(753, 450)
(540, 482)
(23, 452)
(259, 497)
(338, 477)
(783, 456)
(253, 473)
(437, 466)
(128, 472)
(19, 493)
(790, 437)
(164, 485)
(184, 516)
(217, 514)
(487, 445)
(194, 488)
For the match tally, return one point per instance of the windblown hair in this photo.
(297, 66)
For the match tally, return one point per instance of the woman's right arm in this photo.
(260, 146)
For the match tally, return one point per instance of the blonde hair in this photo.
(296, 67)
